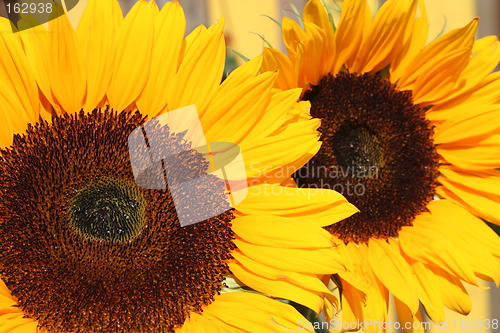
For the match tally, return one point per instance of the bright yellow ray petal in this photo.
(315, 13)
(317, 261)
(426, 242)
(483, 94)
(277, 288)
(307, 281)
(478, 193)
(473, 126)
(242, 109)
(134, 42)
(354, 23)
(415, 39)
(263, 156)
(279, 111)
(273, 59)
(36, 45)
(14, 71)
(166, 55)
(411, 323)
(12, 116)
(200, 72)
(437, 52)
(453, 293)
(484, 58)
(393, 271)
(386, 38)
(465, 223)
(66, 72)
(96, 42)
(292, 34)
(428, 292)
(276, 231)
(314, 68)
(319, 206)
(483, 155)
(255, 312)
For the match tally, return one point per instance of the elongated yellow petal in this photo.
(96, 43)
(319, 206)
(386, 39)
(134, 42)
(277, 288)
(292, 35)
(478, 193)
(276, 231)
(275, 60)
(393, 271)
(15, 72)
(475, 126)
(411, 323)
(200, 72)
(66, 72)
(234, 110)
(263, 156)
(166, 55)
(428, 292)
(318, 261)
(307, 281)
(353, 26)
(483, 156)
(260, 313)
(437, 52)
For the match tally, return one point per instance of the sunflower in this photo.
(410, 136)
(84, 248)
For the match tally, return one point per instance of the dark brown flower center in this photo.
(377, 151)
(85, 249)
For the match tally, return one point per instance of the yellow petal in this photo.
(292, 35)
(321, 207)
(316, 261)
(166, 55)
(428, 292)
(66, 72)
(478, 156)
(437, 53)
(478, 193)
(425, 242)
(415, 38)
(15, 72)
(277, 288)
(265, 155)
(474, 126)
(96, 43)
(272, 60)
(242, 109)
(411, 323)
(354, 23)
(200, 72)
(386, 38)
(255, 313)
(276, 231)
(393, 271)
(134, 42)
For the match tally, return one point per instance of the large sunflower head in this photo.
(90, 244)
(403, 124)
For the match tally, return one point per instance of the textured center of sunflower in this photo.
(356, 146)
(108, 210)
(377, 151)
(85, 249)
